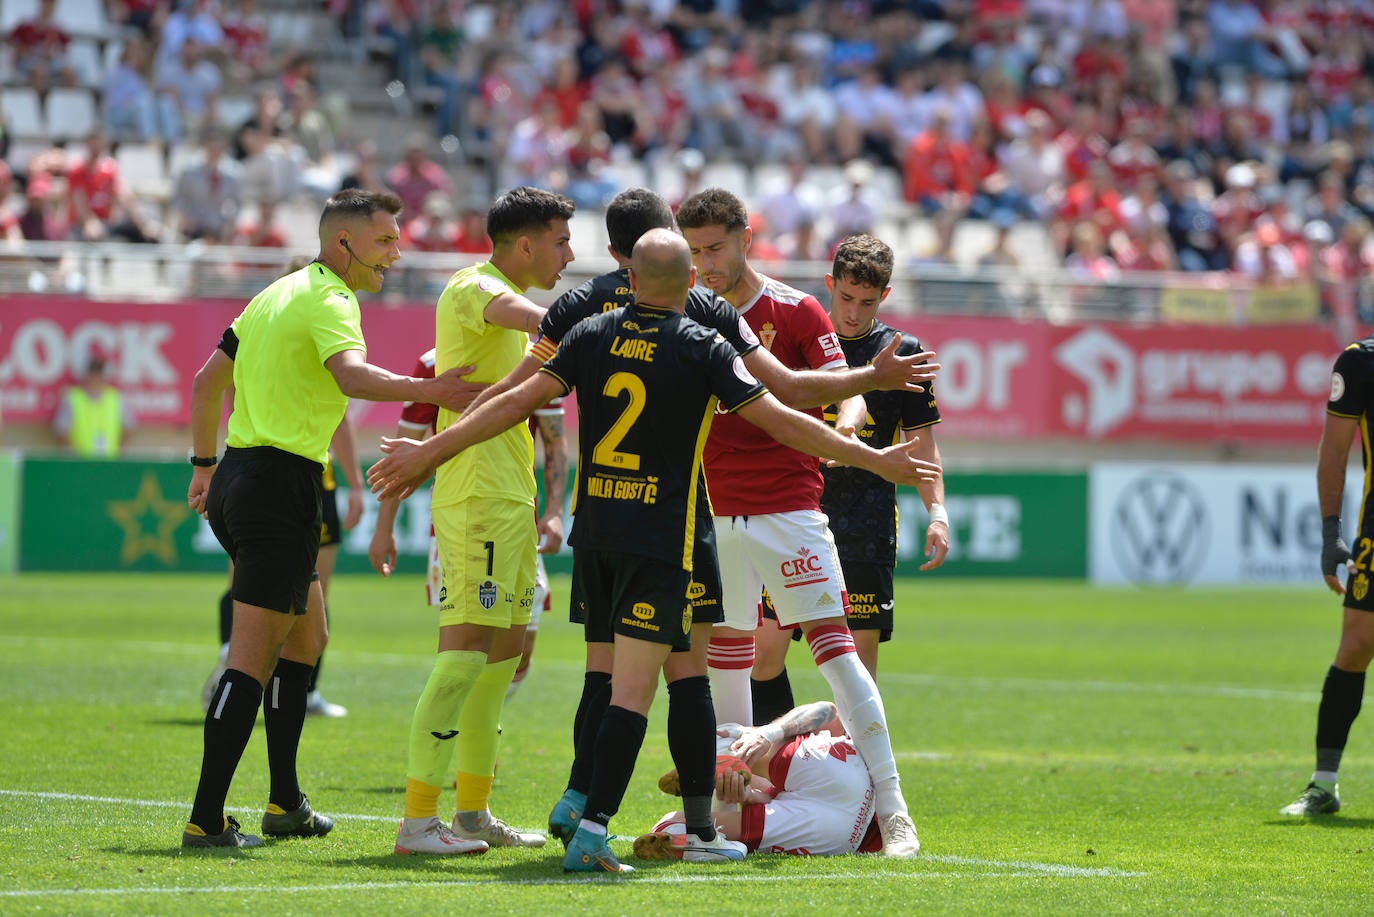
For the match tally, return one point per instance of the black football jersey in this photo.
(862, 507)
(1352, 395)
(647, 381)
(612, 291)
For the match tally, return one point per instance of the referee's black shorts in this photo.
(264, 506)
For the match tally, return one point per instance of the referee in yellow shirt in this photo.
(294, 356)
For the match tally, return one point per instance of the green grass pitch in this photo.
(1064, 750)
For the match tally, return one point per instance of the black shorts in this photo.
(706, 593)
(869, 587)
(264, 506)
(1358, 594)
(330, 533)
(634, 596)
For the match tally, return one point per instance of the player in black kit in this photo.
(1348, 413)
(647, 381)
(629, 215)
(862, 507)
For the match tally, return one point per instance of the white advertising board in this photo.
(1214, 524)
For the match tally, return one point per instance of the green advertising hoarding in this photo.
(1023, 523)
(132, 515)
(10, 464)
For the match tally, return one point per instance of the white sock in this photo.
(861, 712)
(593, 827)
(1324, 778)
(729, 663)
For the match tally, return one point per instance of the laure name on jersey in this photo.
(633, 349)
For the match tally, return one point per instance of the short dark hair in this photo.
(354, 203)
(524, 210)
(864, 259)
(631, 214)
(713, 207)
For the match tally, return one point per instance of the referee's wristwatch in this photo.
(204, 462)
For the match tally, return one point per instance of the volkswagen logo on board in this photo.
(1160, 529)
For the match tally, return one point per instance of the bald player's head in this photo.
(661, 269)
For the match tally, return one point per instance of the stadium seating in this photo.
(69, 114)
(23, 112)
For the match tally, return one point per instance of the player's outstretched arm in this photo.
(807, 434)
(408, 464)
(813, 388)
(358, 378)
(528, 366)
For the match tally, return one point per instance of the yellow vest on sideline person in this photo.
(97, 423)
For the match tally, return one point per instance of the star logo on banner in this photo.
(149, 521)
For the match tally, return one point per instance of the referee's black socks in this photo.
(228, 727)
(283, 712)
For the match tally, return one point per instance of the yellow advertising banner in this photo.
(1283, 304)
(1195, 304)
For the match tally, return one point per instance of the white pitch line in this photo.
(995, 868)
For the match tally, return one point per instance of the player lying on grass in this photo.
(797, 786)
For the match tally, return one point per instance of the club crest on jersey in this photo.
(767, 334)
(486, 594)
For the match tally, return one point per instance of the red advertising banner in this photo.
(1264, 384)
(1001, 378)
(153, 350)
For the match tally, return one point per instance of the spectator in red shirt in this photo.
(1094, 200)
(1134, 158)
(40, 48)
(1082, 142)
(471, 237)
(99, 204)
(937, 171)
(432, 230)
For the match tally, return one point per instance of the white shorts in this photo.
(793, 554)
(824, 802)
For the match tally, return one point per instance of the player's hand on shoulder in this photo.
(452, 390)
(894, 372)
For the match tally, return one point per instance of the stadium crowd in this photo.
(1144, 135)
